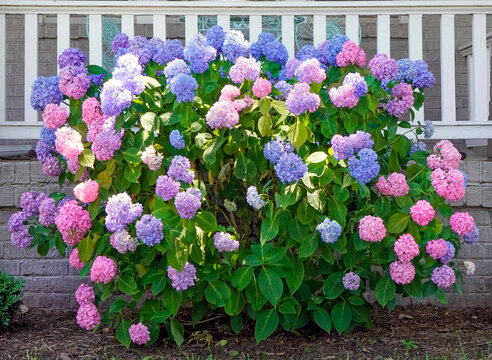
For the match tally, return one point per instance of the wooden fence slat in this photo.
(480, 99)
(224, 21)
(191, 27)
(448, 83)
(30, 63)
(159, 28)
(352, 27)
(319, 29)
(255, 27)
(288, 32)
(415, 48)
(128, 25)
(95, 40)
(384, 35)
(62, 33)
(3, 69)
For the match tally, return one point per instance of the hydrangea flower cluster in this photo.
(472, 237)
(182, 280)
(151, 158)
(261, 88)
(469, 267)
(172, 49)
(139, 333)
(198, 53)
(244, 69)
(445, 156)
(406, 248)
(344, 96)
(215, 37)
(188, 202)
(224, 242)
(372, 229)
(364, 167)
(428, 129)
(383, 67)
(309, 71)
(73, 222)
(103, 270)
(422, 212)
(301, 99)
(166, 187)
(120, 212)
(284, 88)
(54, 116)
(402, 100)
(307, 52)
(254, 199)
(329, 49)
(395, 185)
(235, 46)
(358, 82)
(351, 54)
(68, 142)
(345, 146)
(87, 191)
(443, 276)
(44, 91)
(88, 316)
(222, 114)
(351, 281)
(290, 168)
(274, 149)
(446, 258)
(149, 230)
(330, 230)
(176, 140)
(75, 261)
(180, 169)
(436, 248)
(418, 146)
(180, 81)
(267, 46)
(123, 242)
(84, 294)
(107, 141)
(462, 223)
(47, 212)
(74, 81)
(448, 184)
(402, 272)
(415, 72)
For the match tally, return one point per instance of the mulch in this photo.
(429, 332)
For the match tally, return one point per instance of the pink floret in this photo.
(139, 333)
(72, 222)
(88, 317)
(422, 212)
(351, 54)
(402, 272)
(54, 116)
(262, 87)
(372, 229)
(462, 223)
(396, 185)
(406, 248)
(86, 192)
(103, 270)
(436, 248)
(74, 260)
(85, 294)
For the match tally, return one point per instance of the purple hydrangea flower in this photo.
(120, 41)
(21, 238)
(443, 276)
(47, 212)
(361, 140)
(198, 53)
(129, 72)
(274, 149)
(284, 87)
(115, 98)
(121, 212)
(307, 52)
(172, 49)
(48, 136)
(235, 46)
(183, 86)
(254, 199)
(176, 140)
(149, 230)
(71, 57)
(188, 202)
(472, 237)
(290, 168)
(97, 79)
(343, 147)
(180, 169)
(123, 242)
(365, 167)
(51, 166)
(43, 150)
(406, 70)
(74, 81)
(330, 230)
(428, 129)
(446, 258)
(351, 281)
(166, 188)
(182, 280)
(383, 67)
(420, 146)
(300, 99)
(30, 201)
(45, 91)
(276, 52)
(257, 49)
(107, 141)
(176, 67)
(142, 48)
(224, 242)
(329, 49)
(16, 221)
(358, 82)
(425, 78)
(310, 71)
(215, 37)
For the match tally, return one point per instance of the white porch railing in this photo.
(478, 126)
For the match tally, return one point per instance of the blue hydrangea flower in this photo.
(97, 79)
(290, 168)
(48, 136)
(71, 57)
(215, 37)
(172, 49)
(406, 70)
(358, 82)
(198, 53)
(428, 129)
(276, 52)
(472, 237)
(329, 230)
(235, 46)
(254, 199)
(142, 48)
(183, 86)
(446, 258)
(420, 146)
(120, 212)
(45, 91)
(120, 41)
(465, 177)
(175, 67)
(274, 149)
(257, 48)
(424, 78)
(149, 230)
(115, 98)
(307, 52)
(177, 140)
(329, 49)
(365, 167)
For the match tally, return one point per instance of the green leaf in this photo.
(122, 333)
(329, 127)
(127, 285)
(87, 159)
(337, 211)
(394, 163)
(317, 157)
(117, 305)
(269, 229)
(97, 70)
(242, 277)
(177, 331)
(315, 199)
(148, 121)
(341, 316)
(245, 168)
(289, 196)
(271, 285)
(414, 288)
(210, 152)
(86, 248)
(322, 319)
(385, 290)
(217, 293)
(160, 316)
(266, 323)
(429, 288)
(237, 323)
(171, 300)
(397, 223)
(308, 245)
(295, 276)
(206, 221)
(333, 286)
(265, 125)
(298, 134)
(297, 230)
(131, 155)
(132, 173)
(305, 213)
(274, 255)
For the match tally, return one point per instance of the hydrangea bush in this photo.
(222, 176)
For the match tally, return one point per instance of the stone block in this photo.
(474, 195)
(22, 174)
(6, 195)
(473, 170)
(44, 267)
(6, 172)
(10, 266)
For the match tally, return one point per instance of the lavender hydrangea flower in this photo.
(97, 79)
(51, 166)
(172, 49)
(472, 237)
(149, 230)
(342, 146)
(358, 82)
(74, 81)
(254, 199)
(235, 46)
(290, 168)
(365, 168)
(215, 37)
(425, 78)
(443, 276)
(276, 52)
(428, 129)
(361, 140)
(16, 221)
(71, 57)
(284, 87)
(420, 146)
(330, 230)
(183, 86)
(383, 67)
(120, 41)
(45, 91)
(351, 281)
(257, 48)
(180, 169)
(43, 150)
(182, 280)
(198, 53)
(129, 72)
(307, 52)
(166, 188)
(30, 201)
(121, 212)
(329, 49)
(21, 238)
(176, 67)
(188, 202)
(115, 98)
(107, 141)
(123, 242)
(224, 242)
(300, 99)
(406, 70)
(465, 178)
(176, 140)
(446, 258)
(142, 48)
(274, 149)
(47, 212)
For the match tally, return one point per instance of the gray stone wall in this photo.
(51, 282)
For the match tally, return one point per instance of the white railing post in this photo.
(191, 27)
(480, 100)
(255, 27)
(95, 40)
(448, 96)
(288, 34)
(384, 35)
(352, 27)
(30, 63)
(319, 29)
(159, 27)
(224, 21)
(128, 25)
(3, 69)
(415, 48)
(62, 33)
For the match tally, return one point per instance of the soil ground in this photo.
(416, 332)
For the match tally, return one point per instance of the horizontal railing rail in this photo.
(478, 126)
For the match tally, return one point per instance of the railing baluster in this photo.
(352, 27)
(3, 70)
(127, 25)
(160, 26)
(288, 34)
(384, 35)
(480, 100)
(448, 97)
(224, 21)
(30, 63)
(191, 27)
(95, 40)
(415, 48)
(255, 27)
(319, 29)
(62, 33)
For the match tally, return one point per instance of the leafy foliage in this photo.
(10, 297)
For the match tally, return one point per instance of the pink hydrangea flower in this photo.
(445, 156)
(448, 184)
(462, 223)
(91, 110)
(422, 212)
(262, 87)
(139, 333)
(351, 54)
(310, 71)
(372, 229)
(229, 92)
(151, 158)
(87, 192)
(396, 185)
(54, 116)
(73, 165)
(406, 248)
(74, 260)
(436, 248)
(85, 294)
(240, 104)
(245, 68)
(72, 222)
(344, 96)
(68, 142)
(222, 114)
(88, 317)
(402, 272)
(103, 270)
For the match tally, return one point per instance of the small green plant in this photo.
(10, 297)
(409, 345)
(372, 341)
